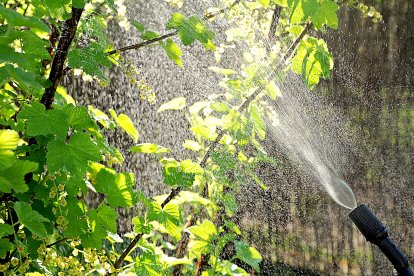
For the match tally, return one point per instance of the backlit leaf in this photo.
(9, 139)
(124, 122)
(175, 104)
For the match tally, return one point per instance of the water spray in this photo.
(377, 233)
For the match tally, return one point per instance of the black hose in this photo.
(376, 232)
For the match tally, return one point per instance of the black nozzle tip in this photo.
(369, 225)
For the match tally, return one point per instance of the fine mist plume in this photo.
(310, 132)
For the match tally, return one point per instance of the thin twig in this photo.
(211, 15)
(127, 250)
(56, 242)
(171, 34)
(142, 44)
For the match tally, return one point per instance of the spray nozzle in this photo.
(376, 232)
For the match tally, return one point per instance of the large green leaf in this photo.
(205, 233)
(173, 51)
(248, 255)
(313, 61)
(73, 156)
(5, 246)
(12, 178)
(321, 12)
(5, 230)
(9, 139)
(90, 59)
(180, 174)
(117, 186)
(102, 221)
(26, 80)
(78, 117)
(40, 121)
(169, 217)
(191, 30)
(124, 122)
(31, 219)
(16, 19)
(76, 218)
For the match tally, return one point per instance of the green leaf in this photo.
(104, 217)
(31, 219)
(102, 221)
(5, 246)
(273, 90)
(169, 217)
(124, 122)
(177, 19)
(76, 153)
(26, 80)
(149, 148)
(117, 187)
(141, 225)
(325, 14)
(313, 61)
(17, 20)
(34, 46)
(175, 104)
(264, 3)
(191, 30)
(221, 108)
(76, 217)
(5, 230)
(79, 3)
(282, 3)
(40, 121)
(205, 233)
(13, 176)
(188, 166)
(90, 59)
(138, 25)
(55, 8)
(9, 139)
(180, 174)
(247, 254)
(192, 145)
(258, 123)
(173, 51)
(149, 35)
(223, 71)
(78, 117)
(229, 203)
(321, 12)
(111, 4)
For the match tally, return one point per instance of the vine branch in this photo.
(142, 44)
(274, 23)
(242, 108)
(203, 162)
(171, 34)
(127, 250)
(69, 28)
